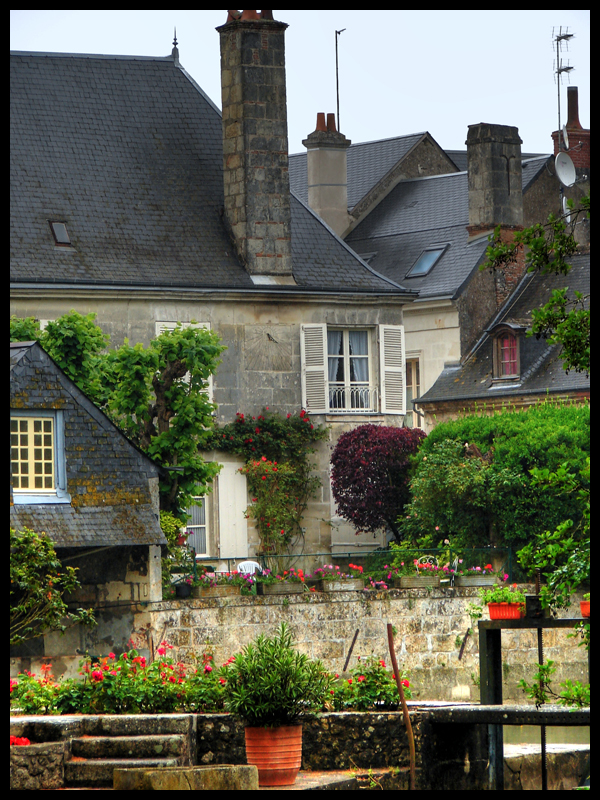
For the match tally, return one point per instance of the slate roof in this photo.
(421, 213)
(541, 367)
(368, 163)
(113, 468)
(128, 152)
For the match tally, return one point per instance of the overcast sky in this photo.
(400, 72)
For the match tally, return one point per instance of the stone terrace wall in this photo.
(430, 626)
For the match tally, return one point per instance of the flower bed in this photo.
(129, 685)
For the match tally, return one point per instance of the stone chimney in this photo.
(495, 177)
(579, 137)
(327, 173)
(496, 198)
(255, 145)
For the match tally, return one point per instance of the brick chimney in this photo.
(496, 195)
(327, 173)
(255, 145)
(579, 137)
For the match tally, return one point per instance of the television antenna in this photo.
(337, 80)
(561, 38)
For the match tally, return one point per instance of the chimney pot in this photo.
(321, 122)
(246, 15)
(331, 123)
(573, 109)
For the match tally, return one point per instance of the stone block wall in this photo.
(430, 626)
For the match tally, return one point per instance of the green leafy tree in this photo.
(562, 555)
(564, 319)
(155, 394)
(38, 583)
(473, 480)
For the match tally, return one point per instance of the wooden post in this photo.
(405, 714)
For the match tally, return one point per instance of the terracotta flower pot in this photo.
(505, 610)
(584, 605)
(277, 752)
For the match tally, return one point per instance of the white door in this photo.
(233, 501)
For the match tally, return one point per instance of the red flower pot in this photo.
(584, 605)
(277, 752)
(505, 610)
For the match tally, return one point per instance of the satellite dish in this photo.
(566, 210)
(565, 169)
(565, 136)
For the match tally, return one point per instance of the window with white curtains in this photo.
(353, 370)
(348, 369)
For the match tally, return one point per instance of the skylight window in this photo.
(60, 233)
(426, 261)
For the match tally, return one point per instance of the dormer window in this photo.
(506, 355)
(60, 233)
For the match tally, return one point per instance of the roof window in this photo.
(426, 261)
(60, 233)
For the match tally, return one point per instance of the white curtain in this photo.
(334, 348)
(359, 367)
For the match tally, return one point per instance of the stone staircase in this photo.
(127, 742)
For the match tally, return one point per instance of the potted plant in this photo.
(184, 587)
(479, 576)
(504, 602)
(420, 575)
(272, 688)
(291, 582)
(584, 605)
(330, 578)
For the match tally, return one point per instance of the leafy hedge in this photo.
(473, 482)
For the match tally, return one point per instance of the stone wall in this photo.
(430, 627)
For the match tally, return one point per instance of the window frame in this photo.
(59, 493)
(439, 248)
(348, 386)
(413, 386)
(386, 369)
(498, 348)
(189, 526)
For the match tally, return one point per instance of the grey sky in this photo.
(400, 71)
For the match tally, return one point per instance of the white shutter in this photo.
(392, 369)
(233, 501)
(313, 353)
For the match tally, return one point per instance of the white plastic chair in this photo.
(248, 567)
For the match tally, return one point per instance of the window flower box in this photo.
(342, 585)
(281, 587)
(475, 580)
(506, 610)
(419, 581)
(221, 590)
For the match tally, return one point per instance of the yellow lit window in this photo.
(32, 454)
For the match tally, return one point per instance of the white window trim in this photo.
(59, 494)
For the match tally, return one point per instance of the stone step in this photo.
(165, 746)
(99, 771)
